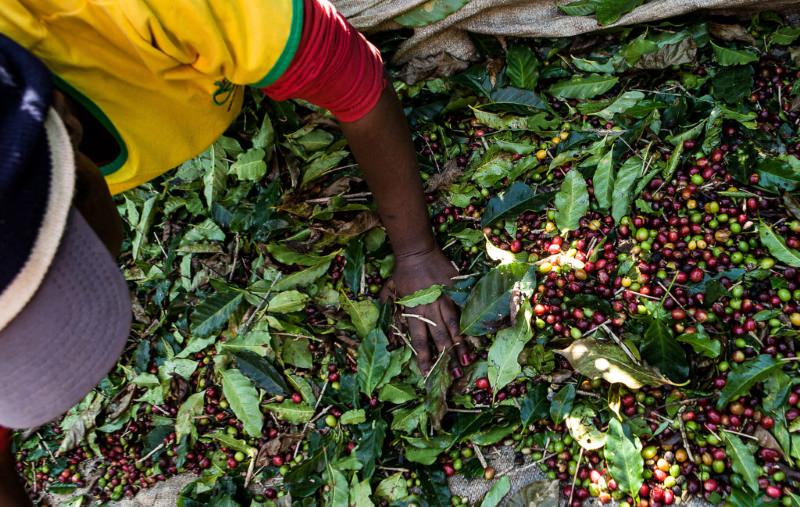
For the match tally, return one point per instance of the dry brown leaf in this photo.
(449, 174)
(121, 402)
(361, 223)
(339, 186)
(730, 33)
(765, 439)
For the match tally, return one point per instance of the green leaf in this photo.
(661, 350)
(701, 343)
(406, 420)
(595, 359)
(230, 442)
(535, 406)
(392, 488)
(353, 417)
(500, 122)
(732, 84)
(291, 412)
(373, 361)
(778, 174)
(727, 57)
(189, 409)
(497, 492)
(621, 104)
(785, 35)
(777, 247)
(243, 399)
(518, 198)
(637, 48)
(742, 460)
(363, 314)
(594, 66)
(421, 297)
(673, 162)
(261, 371)
(603, 180)
(214, 312)
(360, 493)
(623, 185)
(370, 445)
(322, 165)
(302, 278)
(583, 429)
(522, 67)
(287, 302)
(609, 11)
(582, 87)
(294, 351)
(488, 303)
(265, 138)
(579, 8)
(354, 264)
(572, 201)
(429, 12)
(250, 165)
(691, 133)
(562, 403)
(436, 385)
(745, 376)
(397, 394)
(624, 458)
(504, 353)
(338, 492)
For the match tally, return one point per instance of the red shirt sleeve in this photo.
(334, 67)
(5, 440)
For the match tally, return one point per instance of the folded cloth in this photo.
(334, 67)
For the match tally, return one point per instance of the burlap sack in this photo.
(443, 47)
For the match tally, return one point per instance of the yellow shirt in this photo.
(163, 76)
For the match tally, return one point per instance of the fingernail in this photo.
(464, 359)
(457, 373)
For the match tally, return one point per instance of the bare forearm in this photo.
(381, 143)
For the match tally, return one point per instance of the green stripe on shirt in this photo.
(295, 33)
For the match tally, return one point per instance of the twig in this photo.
(250, 468)
(587, 393)
(235, 258)
(464, 410)
(404, 337)
(479, 455)
(158, 448)
(308, 424)
(575, 476)
(45, 448)
(419, 317)
(621, 345)
(325, 200)
(587, 333)
(393, 469)
(683, 435)
(745, 435)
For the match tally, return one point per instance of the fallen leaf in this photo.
(730, 33)
(449, 174)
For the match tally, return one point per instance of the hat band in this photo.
(62, 186)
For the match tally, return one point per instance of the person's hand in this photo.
(439, 331)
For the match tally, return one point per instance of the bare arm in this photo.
(381, 143)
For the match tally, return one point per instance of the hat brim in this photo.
(70, 334)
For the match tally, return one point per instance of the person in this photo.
(98, 97)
